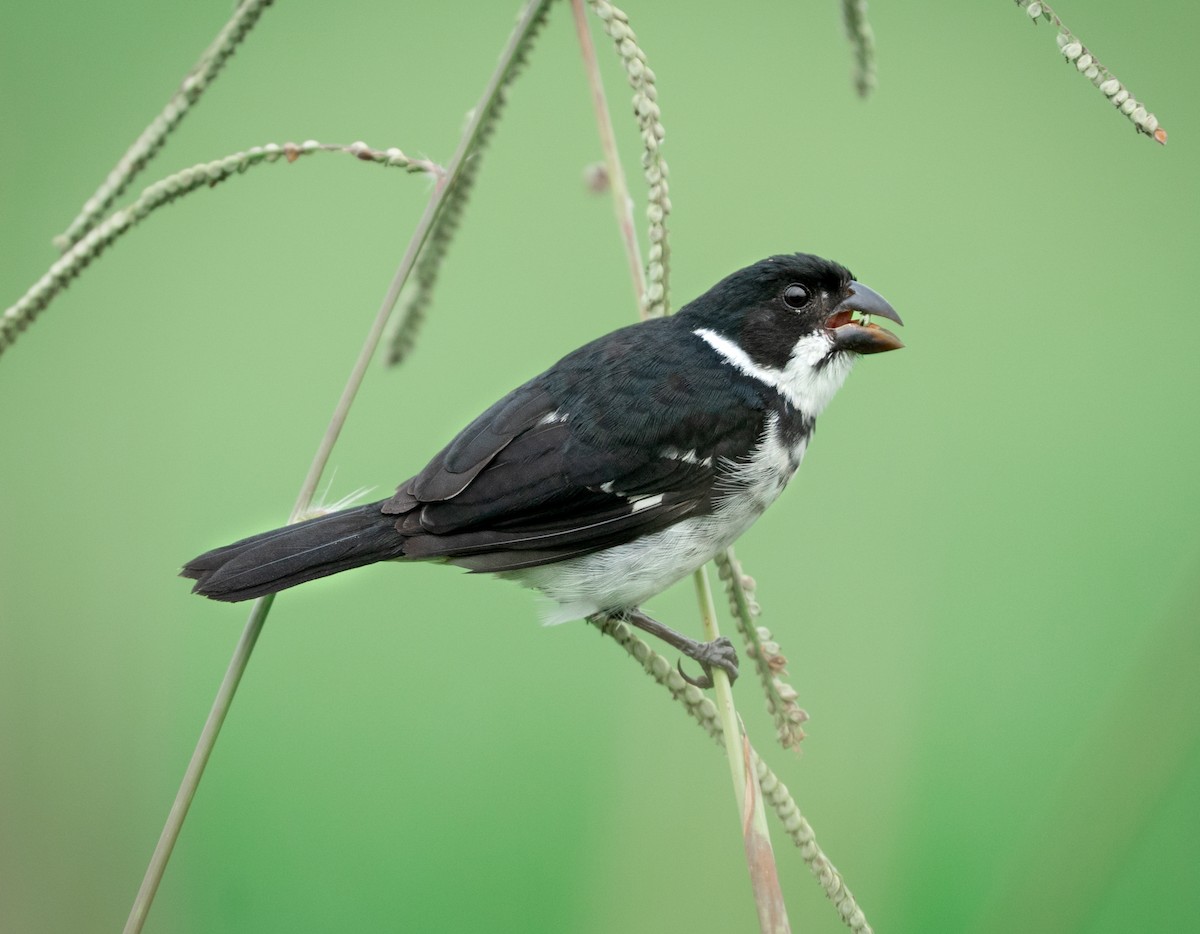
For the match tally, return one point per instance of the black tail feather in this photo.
(282, 558)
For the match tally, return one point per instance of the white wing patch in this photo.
(637, 502)
(553, 418)
(645, 502)
(688, 457)
(627, 575)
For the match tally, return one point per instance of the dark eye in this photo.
(795, 296)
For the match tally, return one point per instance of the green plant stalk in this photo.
(195, 769)
(760, 857)
(618, 186)
(260, 609)
(862, 42)
(756, 838)
(530, 14)
(21, 314)
(726, 710)
(1091, 68)
(647, 112)
(801, 832)
(780, 696)
(775, 793)
(203, 73)
(419, 296)
(623, 207)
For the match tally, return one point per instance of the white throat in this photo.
(800, 381)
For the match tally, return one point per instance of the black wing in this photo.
(617, 440)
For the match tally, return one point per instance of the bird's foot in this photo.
(716, 654)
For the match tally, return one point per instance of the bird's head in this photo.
(767, 308)
(796, 321)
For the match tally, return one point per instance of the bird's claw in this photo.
(716, 654)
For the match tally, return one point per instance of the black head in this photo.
(767, 308)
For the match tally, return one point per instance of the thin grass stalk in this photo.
(862, 42)
(761, 647)
(203, 73)
(618, 186)
(703, 711)
(195, 769)
(258, 614)
(756, 838)
(760, 856)
(641, 77)
(482, 121)
(419, 295)
(801, 832)
(1091, 68)
(726, 710)
(20, 315)
(623, 206)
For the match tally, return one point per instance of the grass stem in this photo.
(530, 14)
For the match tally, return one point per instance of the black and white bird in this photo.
(618, 471)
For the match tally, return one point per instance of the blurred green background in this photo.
(985, 576)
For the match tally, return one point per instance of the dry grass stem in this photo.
(646, 110)
(769, 661)
(801, 832)
(19, 316)
(416, 300)
(698, 705)
(774, 793)
(614, 174)
(258, 614)
(1090, 67)
(245, 15)
(760, 855)
(862, 41)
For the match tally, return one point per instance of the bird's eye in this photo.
(795, 296)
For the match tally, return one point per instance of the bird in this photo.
(621, 469)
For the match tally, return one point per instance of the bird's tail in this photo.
(273, 561)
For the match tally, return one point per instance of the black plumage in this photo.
(650, 426)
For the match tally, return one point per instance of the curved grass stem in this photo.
(756, 839)
(618, 186)
(203, 73)
(195, 768)
(770, 789)
(1091, 68)
(530, 14)
(653, 299)
(20, 315)
(419, 296)
(654, 167)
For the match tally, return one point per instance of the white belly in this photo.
(627, 575)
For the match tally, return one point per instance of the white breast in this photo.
(627, 575)
(806, 382)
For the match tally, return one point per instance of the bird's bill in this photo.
(862, 336)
